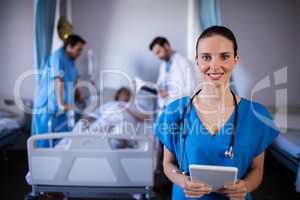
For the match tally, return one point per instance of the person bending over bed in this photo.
(118, 117)
(56, 90)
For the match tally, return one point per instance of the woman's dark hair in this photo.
(221, 31)
(73, 40)
(161, 41)
(120, 91)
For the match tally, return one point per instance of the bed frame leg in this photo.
(66, 196)
(32, 196)
(149, 193)
(34, 192)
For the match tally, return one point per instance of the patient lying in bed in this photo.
(118, 117)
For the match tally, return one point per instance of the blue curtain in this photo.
(209, 13)
(44, 13)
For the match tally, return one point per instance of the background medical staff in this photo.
(209, 126)
(176, 73)
(176, 79)
(55, 91)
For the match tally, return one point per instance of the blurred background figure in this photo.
(56, 89)
(176, 73)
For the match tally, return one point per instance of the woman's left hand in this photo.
(235, 191)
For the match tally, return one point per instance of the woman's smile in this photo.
(215, 75)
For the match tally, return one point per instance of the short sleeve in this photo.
(166, 126)
(56, 66)
(267, 131)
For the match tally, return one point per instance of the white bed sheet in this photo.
(289, 142)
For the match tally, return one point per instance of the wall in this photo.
(268, 37)
(17, 39)
(119, 32)
(297, 35)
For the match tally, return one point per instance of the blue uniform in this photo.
(255, 131)
(45, 102)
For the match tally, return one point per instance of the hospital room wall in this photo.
(122, 29)
(297, 36)
(119, 32)
(16, 45)
(268, 37)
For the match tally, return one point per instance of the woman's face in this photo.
(215, 60)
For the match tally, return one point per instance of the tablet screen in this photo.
(215, 176)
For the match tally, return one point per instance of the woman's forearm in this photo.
(253, 179)
(255, 175)
(170, 171)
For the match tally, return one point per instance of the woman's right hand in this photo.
(195, 189)
(192, 189)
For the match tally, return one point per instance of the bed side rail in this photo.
(89, 161)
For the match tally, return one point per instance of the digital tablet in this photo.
(215, 176)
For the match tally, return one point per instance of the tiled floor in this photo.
(278, 182)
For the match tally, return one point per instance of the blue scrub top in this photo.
(45, 104)
(255, 131)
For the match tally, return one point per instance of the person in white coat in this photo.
(177, 78)
(176, 74)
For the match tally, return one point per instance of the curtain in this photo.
(44, 13)
(56, 41)
(209, 13)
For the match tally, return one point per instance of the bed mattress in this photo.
(289, 142)
(7, 126)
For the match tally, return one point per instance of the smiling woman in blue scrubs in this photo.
(56, 89)
(209, 125)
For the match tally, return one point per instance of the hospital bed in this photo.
(88, 166)
(286, 147)
(13, 121)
